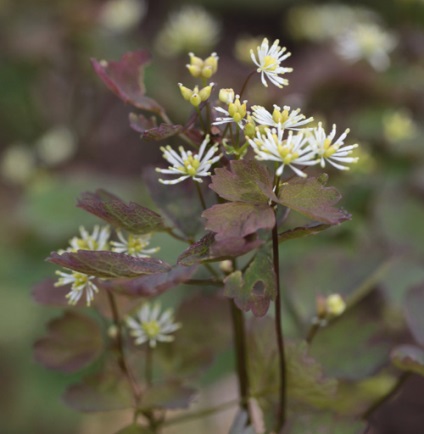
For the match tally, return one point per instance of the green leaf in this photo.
(313, 199)
(135, 429)
(256, 287)
(414, 312)
(323, 422)
(107, 264)
(125, 78)
(150, 131)
(171, 395)
(132, 217)
(408, 358)
(73, 342)
(105, 391)
(248, 181)
(302, 231)
(238, 219)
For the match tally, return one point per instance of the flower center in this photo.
(270, 63)
(80, 280)
(136, 244)
(191, 165)
(328, 148)
(151, 328)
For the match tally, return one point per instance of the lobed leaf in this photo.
(150, 285)
(170, 395)
(197, 252)
(107, 264)
(125, 79)
(238, 219)
(73, 341)
(105, 391)
(133, 217)
(254, 289)
(247, 181)
(150, 131)
(413, 304)
(408, 358)
(313, 199)
(47, 294)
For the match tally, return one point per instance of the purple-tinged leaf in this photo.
(133, 217)
(105, 391)
(150, 131)
(125, 79)
(248, 181)
(256, 287)
(197, 252)
(232, 247)
(151, 285)
(313, 199)
(171, 395)
(238, 219)
(408, 358)
(184, 212)
(107, 264)
(47, 294)
(73, 341)
(302, 231)
(413, 306)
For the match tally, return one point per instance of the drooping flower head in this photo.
(326, 149)
(292, 151)
(268, 63)
(186, 165)
(80, 283)
(134, 245)
(152, 326)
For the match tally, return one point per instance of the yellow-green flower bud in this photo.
(279, 117)
(195, 99)
(205, 93)
(212, 62)
(194, 70)
(250, 127)
(185, 92)
(203, 68)
(237, 110)
(226, 96)
(335, 305)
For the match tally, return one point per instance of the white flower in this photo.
(326, 150)
(236, 110)
(293, 150)
(366, 41)
(134, 245)
(152, 326)
(80, 282)
(288, 119)
(268, 63)
(187, 164)
(98, 240)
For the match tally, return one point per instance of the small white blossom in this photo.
(98, 240)
(286, 118)
(366, 41)
(236, 110)
(134, 245)
(189, 165)
(268, 63)
(80, 283)
(292, 151)
(152, 326)
(335, 153)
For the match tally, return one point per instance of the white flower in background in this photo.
(243, 45)
(134, 245)
(292, 151)
(399, 125)
(366, 41)
(268, 63)
(98, 240)
(192, 28)
(326, 150)
(122, 15)
(80, 283)
(18, 164)
(188, 165)
(236, 111)
(286, 118)
(56, 145)
(152, 326)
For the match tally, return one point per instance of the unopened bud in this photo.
(226, 96)
(226, 266)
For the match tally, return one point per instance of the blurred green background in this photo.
(63, 133)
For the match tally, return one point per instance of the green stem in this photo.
(148, 372)
(281, 416)
(245, 82)
(200, 194)
(122, 361)
(241, 354)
